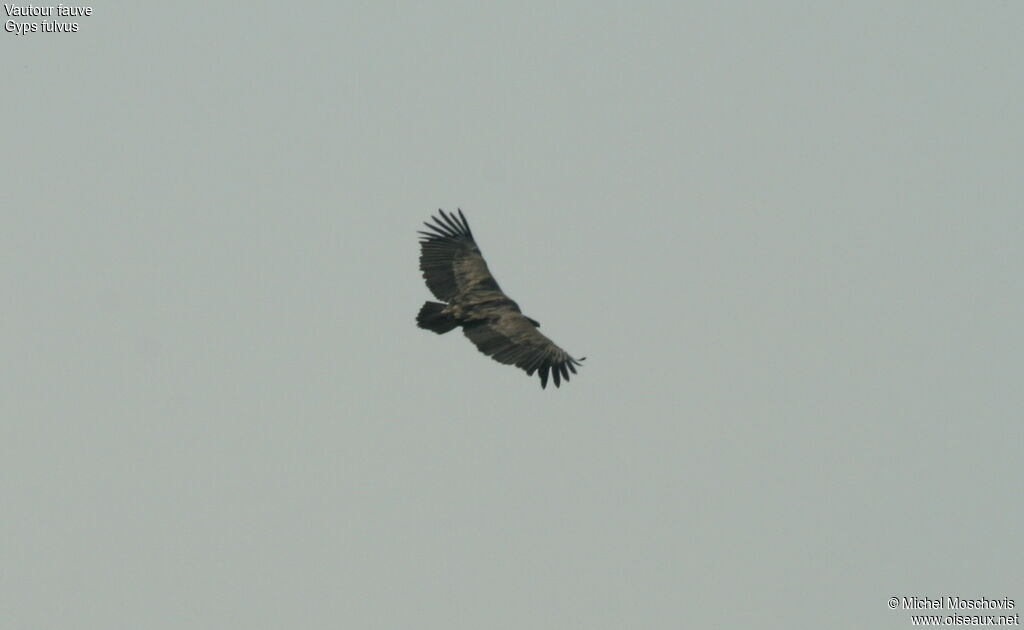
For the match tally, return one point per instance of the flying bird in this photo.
(455, 272)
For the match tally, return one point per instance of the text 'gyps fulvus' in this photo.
(456, 272)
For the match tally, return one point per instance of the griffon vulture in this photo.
(456, 272)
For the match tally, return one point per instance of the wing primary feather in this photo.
(544, 375)
(445, 218)
(535, 362)
(441, 226)
(442, 219)
(554, 373)
(465, 223)
(450, 222)
(447, 231)
(437, 231)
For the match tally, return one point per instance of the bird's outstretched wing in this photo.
(514, 340)
(450, 259)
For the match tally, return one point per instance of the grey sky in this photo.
(787, 236)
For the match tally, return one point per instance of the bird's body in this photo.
(456, 272)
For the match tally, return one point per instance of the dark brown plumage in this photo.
(456, 273)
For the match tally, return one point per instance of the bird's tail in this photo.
(432, 317)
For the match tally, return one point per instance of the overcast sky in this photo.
(787, 236)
